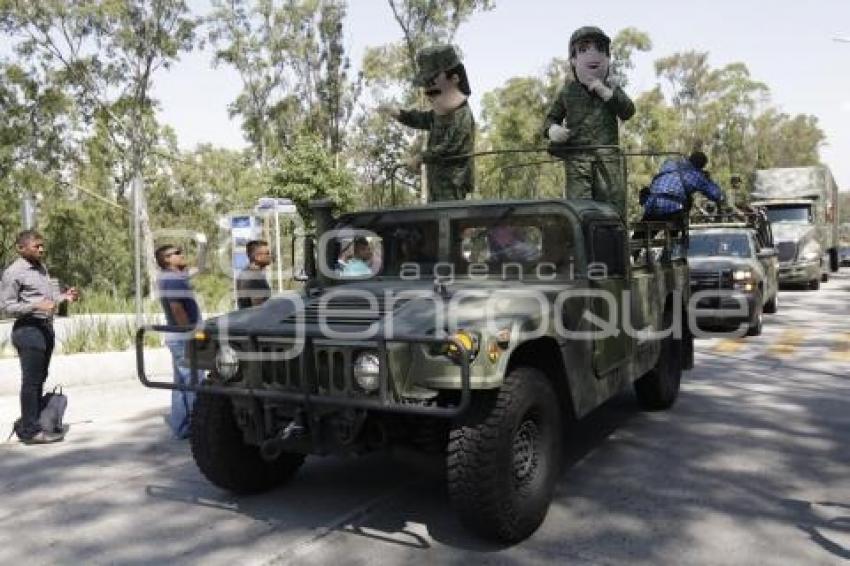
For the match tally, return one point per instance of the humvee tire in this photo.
(834, 260)
(814, 284)
(225, 459)
(659, 387)
(772, 305)
(504, 457)
(824, 277)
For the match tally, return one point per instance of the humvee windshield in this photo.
(729, 245)
(795, 213)
(515, 245)
(500, 245)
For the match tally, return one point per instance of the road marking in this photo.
(729, 345)
(787, 344)
(841, 347)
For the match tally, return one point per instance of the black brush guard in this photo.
(382, 402)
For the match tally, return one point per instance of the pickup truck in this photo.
(734, 270)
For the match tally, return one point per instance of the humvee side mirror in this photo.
(766, 253)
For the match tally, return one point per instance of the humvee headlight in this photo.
(367, 371)
(468, 340)
(227, 361)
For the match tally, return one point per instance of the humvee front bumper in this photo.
(308, 394)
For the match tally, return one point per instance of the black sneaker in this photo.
(43, 437)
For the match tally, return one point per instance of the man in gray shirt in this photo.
(252, 287)
(27, 294)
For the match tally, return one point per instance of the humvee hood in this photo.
(387, 309)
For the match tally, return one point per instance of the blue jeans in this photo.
(181, 401)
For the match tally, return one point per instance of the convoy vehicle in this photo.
(844, 255)
(802, 204)
(734, 270)
(479, 329)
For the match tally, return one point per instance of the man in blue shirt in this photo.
(669, 196)
(671, 190)
(181, 309)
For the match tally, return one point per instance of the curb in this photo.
(88, 369)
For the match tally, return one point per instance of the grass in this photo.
(97, 302)
(99, 334)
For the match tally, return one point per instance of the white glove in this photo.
(558, 134)
(602, 90)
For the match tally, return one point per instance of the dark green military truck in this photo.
(477, 329)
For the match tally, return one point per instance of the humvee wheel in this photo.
(814, 284)
(225, 459)
(504, 457)
(659, 387)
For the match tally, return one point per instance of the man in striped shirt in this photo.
(27, 294)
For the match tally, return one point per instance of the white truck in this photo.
(802, 206)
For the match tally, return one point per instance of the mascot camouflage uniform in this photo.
(450, 123)
(585, 113)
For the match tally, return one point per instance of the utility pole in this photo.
(28, 216)
(137, 246)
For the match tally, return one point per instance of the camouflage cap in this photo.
(588, 32)
(431, 61)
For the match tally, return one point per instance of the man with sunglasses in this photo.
(27, 294)
(181, 309)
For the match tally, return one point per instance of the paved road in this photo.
(750, 467)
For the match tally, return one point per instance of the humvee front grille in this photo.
(333, 370)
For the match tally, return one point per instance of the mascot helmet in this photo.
(592, 33)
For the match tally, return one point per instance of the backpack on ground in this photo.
(53, 407)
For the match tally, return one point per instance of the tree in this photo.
(294, 71)
(32, 145)
(512, 119)
(623, 47)
(307, 172)
(106, 55)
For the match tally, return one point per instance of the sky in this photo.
(787, 44)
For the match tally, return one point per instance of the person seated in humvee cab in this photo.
(357, 258)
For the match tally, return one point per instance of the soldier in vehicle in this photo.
(450, 125)
(586, 112)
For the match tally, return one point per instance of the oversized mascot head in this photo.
(443, 78)
(590, 54)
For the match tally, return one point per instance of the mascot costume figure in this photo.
(450, 125)
(585, 113)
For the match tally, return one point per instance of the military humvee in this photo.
(474, 328)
